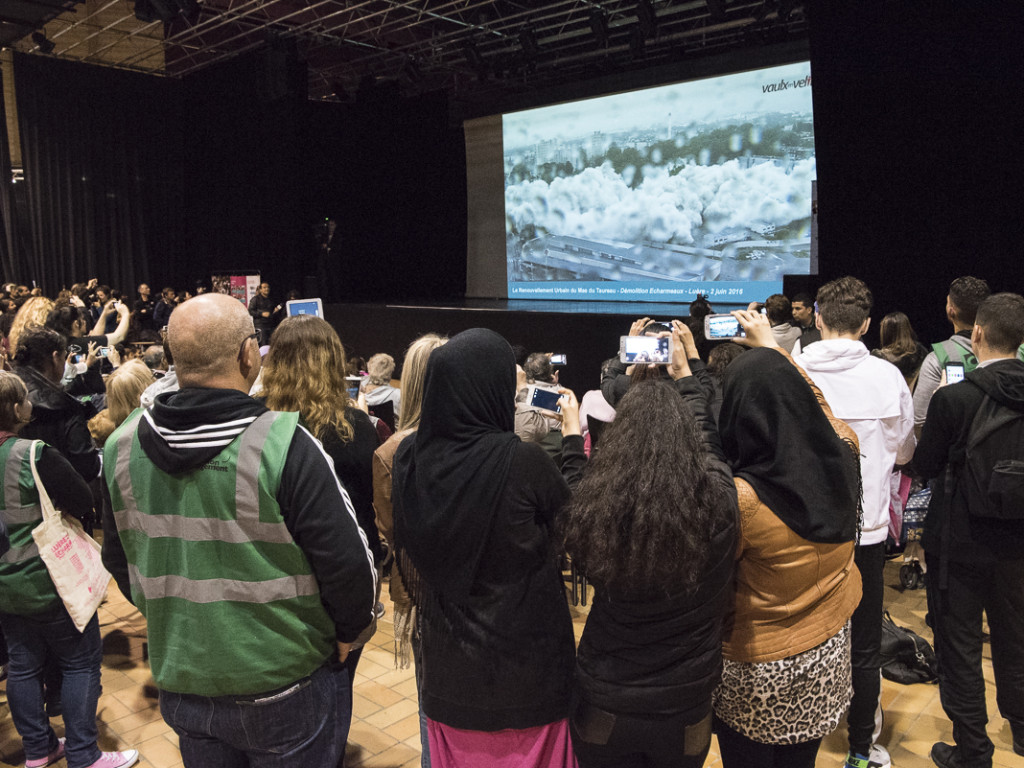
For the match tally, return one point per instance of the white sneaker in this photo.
(880, 756)
(877, 758)
(117, 759)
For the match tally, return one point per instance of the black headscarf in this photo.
(449, 478)
(779, 440)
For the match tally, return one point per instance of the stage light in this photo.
(599, 26)
(45, 46)
(636, 43)
(717, 9)
(528, 42)
(646, 19)
(474, 59)
(148, 11)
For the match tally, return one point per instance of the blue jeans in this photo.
(78, 655)
(306, 724)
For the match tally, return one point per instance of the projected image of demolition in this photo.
(698, 187)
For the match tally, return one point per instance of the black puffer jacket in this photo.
(60, 420)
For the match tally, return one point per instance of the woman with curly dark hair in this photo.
(653, 525)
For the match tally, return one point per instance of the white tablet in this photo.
(305, 307)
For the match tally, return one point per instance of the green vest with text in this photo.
(25, 585)
(231, 601)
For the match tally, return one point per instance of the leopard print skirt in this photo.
(791, 700)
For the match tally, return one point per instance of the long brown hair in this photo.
(304, 371)
(896, 334)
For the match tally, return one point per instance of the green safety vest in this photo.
(25, 585)
(231, 601)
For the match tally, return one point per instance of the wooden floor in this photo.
(385, 725)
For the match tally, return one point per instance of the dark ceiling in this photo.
(472, 48)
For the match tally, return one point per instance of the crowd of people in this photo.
(730, 507)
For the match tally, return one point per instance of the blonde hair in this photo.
(125, 387)
(32, 312)
(12, 392)
(414, 368)
(304, 371)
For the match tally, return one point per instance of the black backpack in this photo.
(992, 475)
(906, 656)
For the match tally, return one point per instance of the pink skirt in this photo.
(545, 746)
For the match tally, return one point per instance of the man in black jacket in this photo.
(240, 546)
(262, 310)
(975, 563)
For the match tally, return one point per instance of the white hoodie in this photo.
(871, 395)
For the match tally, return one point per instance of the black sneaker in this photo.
(948, 756)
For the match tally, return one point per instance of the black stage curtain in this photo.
(102, 156)
(918, 115)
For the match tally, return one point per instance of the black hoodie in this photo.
(950, 413)
(185, 429)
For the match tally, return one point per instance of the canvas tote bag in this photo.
(71, 556)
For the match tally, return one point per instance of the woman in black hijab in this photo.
(786, 676)
(474, 510)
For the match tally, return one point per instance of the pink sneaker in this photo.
(50, 759)
(117, 759)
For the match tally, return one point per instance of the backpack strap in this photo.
(964, 355)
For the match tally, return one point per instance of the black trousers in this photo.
(603, 740)
(865, 645)
(738, 751)
(997, 588)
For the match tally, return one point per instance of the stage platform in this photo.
(587, 332)
(659, 310)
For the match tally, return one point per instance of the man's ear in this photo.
(817, 320)
(864, 326)
(249, 365)
(977, 337)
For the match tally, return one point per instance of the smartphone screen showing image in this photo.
(722, 327)
(655, 350)
(558, 359)
(544, 399)
(954, 372)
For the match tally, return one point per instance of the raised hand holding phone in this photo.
(638, 326)
(757, 328)
(570, 412)
(683, 350)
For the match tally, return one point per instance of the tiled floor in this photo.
(385, 726)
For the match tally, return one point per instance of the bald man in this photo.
(241, 548)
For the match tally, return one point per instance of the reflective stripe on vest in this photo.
(218, 590)
(14, 513)
(20, 554)
(25, 585)
(245, 528)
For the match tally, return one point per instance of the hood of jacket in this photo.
(1003, 381)
(833, 355)
(185, 429)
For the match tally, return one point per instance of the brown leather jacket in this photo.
(791, 594)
